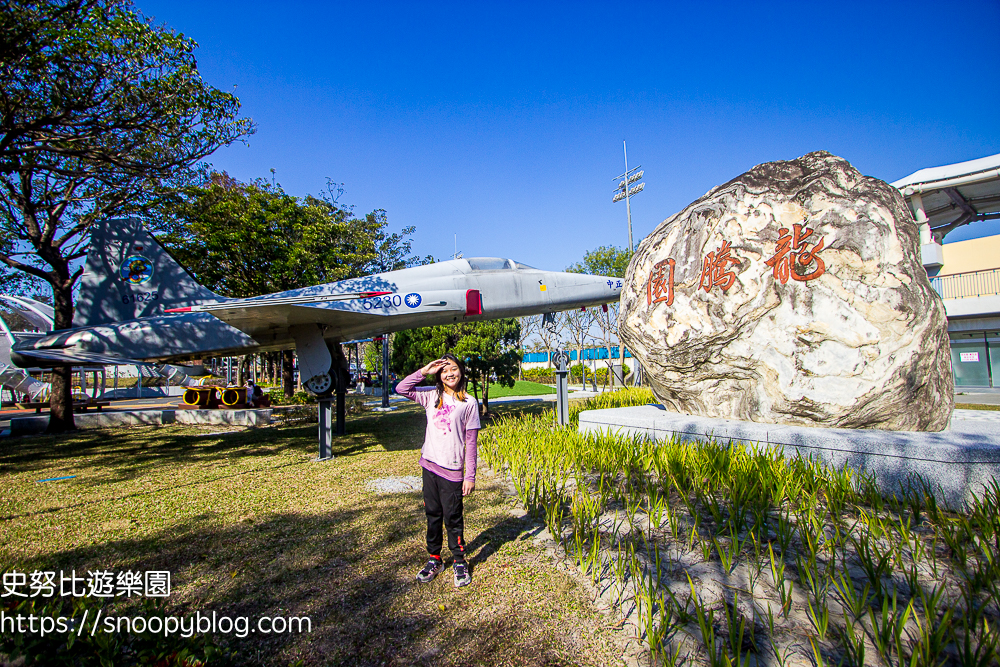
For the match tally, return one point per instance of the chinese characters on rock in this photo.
(793, 256)
(713, 271)
(660, 287)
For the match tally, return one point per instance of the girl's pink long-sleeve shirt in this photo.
(450, 441)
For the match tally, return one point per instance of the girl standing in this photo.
(448, 459)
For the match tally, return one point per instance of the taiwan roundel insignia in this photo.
(136, 270)
(412, 300)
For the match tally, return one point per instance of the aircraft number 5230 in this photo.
(382, 302)
(141, 297)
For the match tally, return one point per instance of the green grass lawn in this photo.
(521, 388)
(976, 406)
(248, 524)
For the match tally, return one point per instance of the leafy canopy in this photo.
(608, 260)
(101, 112)
(489, 348)
(246, 239)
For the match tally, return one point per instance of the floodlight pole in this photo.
(628, 207)
(626, 189)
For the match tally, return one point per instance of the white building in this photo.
(966, 273)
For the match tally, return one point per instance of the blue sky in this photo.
(503, 122)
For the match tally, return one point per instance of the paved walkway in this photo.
(979, 397)
(976, 415)
(173, 401)
(116, 406)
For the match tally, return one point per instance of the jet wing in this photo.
(78, 357)
(261, 315)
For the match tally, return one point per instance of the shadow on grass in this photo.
(349, 570)
(131, 451)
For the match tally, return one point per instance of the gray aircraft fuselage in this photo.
(156, 312)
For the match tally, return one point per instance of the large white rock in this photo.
(793, 294)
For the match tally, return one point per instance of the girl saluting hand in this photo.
(448, 459)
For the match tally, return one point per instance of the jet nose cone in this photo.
(575, 290)
(614, 285)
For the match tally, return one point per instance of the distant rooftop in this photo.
(954, 195)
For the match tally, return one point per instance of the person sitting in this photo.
(255, 394)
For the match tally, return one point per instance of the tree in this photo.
(101, 112)
(550, 336)
(246, 239)
(20, 283)
(489, 348)
(492, 354)
(415, 348)
(528, 328)
(578, 324)
(605, 261)
(371, 358)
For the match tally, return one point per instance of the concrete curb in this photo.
(38, 423)
(959, 462)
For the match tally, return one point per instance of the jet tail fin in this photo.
(128, 274)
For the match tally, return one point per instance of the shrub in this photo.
(540, 375)
(298, 398)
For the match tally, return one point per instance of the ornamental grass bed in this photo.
(722, 554)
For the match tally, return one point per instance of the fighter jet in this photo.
(137, 304)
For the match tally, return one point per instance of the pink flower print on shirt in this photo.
(442, 418)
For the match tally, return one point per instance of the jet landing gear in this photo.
(319, 385)
(328, 426)
(326, 368)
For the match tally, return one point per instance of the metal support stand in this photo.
(325, 429)
(562, 387)
(341, 391)
(385, 371)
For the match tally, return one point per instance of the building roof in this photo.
(955, 194)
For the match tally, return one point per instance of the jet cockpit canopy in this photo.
(496, 264)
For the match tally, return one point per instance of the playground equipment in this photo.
(200, 398)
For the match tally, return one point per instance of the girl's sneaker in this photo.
(462, 575)
(431, 570)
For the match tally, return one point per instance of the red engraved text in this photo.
(793, 256)
(714, 271)
(660, 287)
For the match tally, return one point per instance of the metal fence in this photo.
(588, 353)
(973, 283)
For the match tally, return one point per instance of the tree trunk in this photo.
(486, 396)
(61, 395)
(298, 378)
(286, 373)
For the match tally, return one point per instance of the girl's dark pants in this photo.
(443, 504)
